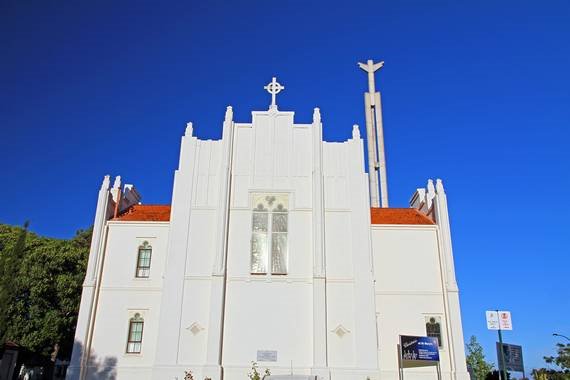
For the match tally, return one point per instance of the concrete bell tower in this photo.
(375, 137)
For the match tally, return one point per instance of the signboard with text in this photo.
(266, 356)
(499, 320)
(418, 351)
(513, 357)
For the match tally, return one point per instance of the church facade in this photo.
(270, 252)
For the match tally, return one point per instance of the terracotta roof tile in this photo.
(398, 216)
(145, 213)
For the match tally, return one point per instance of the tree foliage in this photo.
(40, 288)
(562, 360)
(476, 360)
(549, 374)
(495, 375)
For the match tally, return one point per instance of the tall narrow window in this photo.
(433, 329)
(134, 342)
(143, 260)
(269, 234)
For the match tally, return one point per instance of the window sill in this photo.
(132, 354)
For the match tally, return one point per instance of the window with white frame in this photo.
(134, 340)
(269, 234)
(143, 260)
(433, 328)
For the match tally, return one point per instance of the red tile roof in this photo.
(161, 213)
(145, 213)
(398, 216)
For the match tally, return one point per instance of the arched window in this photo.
(433, 329)
(143, 260)
(269, 234)
(134, 342)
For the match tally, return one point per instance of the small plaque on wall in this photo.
(266, 356)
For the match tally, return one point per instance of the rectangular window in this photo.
(269, 234)
(433, 328)
(134, 342)
(143, 260)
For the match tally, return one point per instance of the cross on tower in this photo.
(273, 88)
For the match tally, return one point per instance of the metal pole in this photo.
(502, 371)
(400, 369)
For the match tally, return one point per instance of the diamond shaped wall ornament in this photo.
(195, 328)
(340, 331)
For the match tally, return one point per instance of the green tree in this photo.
(494, 375)
(12, 251)
(41, 298)
(476, 360)
(562, 358)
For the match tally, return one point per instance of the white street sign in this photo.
(505, 320)
(492, 320)
(499, 320)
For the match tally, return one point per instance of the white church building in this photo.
(277, 248)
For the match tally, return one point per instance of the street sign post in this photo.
(499, 320)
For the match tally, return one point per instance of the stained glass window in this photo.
(143, 260)
(269, 234)
(134, 342)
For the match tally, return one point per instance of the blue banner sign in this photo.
(419, 348)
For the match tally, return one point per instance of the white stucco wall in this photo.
(349, 291)
(410, 286)
(122, 295)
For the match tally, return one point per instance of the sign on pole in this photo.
(513, 357)
(492, 320)
(499, 320)
(505, 320)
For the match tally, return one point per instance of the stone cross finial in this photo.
(274, 88)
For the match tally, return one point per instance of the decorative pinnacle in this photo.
(439, 186)
(430, 186)
(117, 183)
(316, 115)
(189, 129)
(274, 88)
(229, 113)
(355, 131)
(106, 182)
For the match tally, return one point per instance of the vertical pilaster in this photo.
(365, 340)
(218, 282)
(319, 269)
(84, 321)
(451, 291)
(167, 346)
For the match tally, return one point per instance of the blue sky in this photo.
(476, 93)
